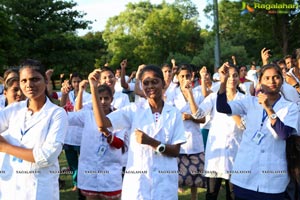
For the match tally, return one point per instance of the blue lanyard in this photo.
(265, 115)
(24, 133)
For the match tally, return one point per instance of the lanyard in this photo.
(265, 115)
(24, 132)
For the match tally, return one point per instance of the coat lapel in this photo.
(146, 121)
(39, 116)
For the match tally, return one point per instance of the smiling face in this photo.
(108, 78)
(13, 93)
(152, 85)
(32, 84)
(271, 80)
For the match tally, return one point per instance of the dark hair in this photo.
(240, 67)
(281, 61)
(36, 66)
(287, 56)
(270, 66)
(75, 75)
(105, 69)
(166, 65)
(152, 68)
(103, 88)
(237, 69)
(8, 72)
(184, 67)
(9, 82)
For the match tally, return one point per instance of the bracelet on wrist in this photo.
(109, 134)
(111, 140)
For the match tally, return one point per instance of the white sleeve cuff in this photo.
(47, 154)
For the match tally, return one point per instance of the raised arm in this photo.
(204, 88)
(123, 66)
(79, 99)
(234, 60)
(187, 89)
(222, 105)
(265, 55)
(65, 89)
(49, 73)
(137, 89)
(131, 77)
(101, 119)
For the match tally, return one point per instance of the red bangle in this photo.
(116, 142)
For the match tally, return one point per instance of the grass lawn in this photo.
(67, 194)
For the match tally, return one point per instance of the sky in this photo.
(99, 11)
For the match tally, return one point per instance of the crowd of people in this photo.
(154, 133)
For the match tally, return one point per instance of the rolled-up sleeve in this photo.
(47, 153)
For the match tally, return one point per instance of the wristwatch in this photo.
(161, 148)
(273, 116)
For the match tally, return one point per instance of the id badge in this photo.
(258, 136)
(101, 150)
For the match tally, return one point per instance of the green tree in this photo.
(258, 29)
(42, 28)
(147, 33)
(8, 40)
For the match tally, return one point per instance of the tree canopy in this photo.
(142, 33)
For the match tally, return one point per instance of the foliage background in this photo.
(142, 33)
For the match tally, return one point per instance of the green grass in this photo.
(67, 194)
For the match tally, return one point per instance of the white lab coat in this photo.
(252, 76)
(223, 139)
(246, 86)
(97, 173)
(192, 131)
(45, 135)
(262, 167)
(2, 101)
(150, 175)
(74, 133)
(118, 86)
(120, 100)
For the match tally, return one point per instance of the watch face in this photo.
(161, 148)
(273, 116)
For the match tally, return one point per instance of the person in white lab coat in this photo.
(191, 159)
(9, 73)
(156, 133)
(100, 161)
(223, 141)
(69, 94)
(246, 85)
(36, 130)
(12, 94)
(107, 77)
(260, 167)
(12, 91)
